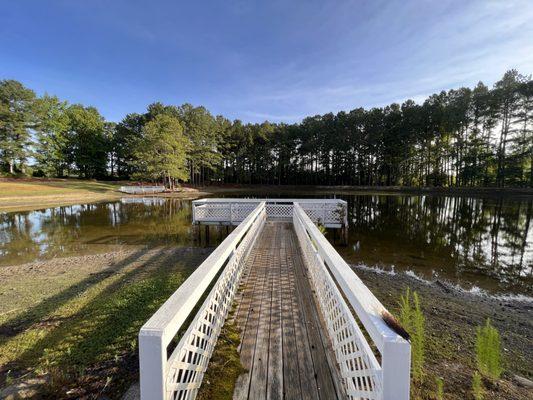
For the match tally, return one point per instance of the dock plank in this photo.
(282, 344)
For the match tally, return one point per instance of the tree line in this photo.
(461, 137)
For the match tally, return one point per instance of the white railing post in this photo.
(396, 364)
(152, 362)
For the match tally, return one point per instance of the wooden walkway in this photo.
(284, 347)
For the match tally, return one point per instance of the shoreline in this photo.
(452, 316)
(26, 195)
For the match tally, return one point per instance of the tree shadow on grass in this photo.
(109, 324)
(33, 315)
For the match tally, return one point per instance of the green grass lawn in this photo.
(22, 194)
(82, 337)
(34, 187)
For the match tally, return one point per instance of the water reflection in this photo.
(89, 228)
(486, 242)
(473, 241)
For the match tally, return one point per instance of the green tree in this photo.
(161, 153)
(201, 130)
(16, 120)
(88, 145)
(52, 129)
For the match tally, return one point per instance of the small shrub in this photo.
(412, 319)
(440, 388)
(477, 386)
(488, 351)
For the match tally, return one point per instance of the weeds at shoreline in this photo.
(488, 351)
(412, 319)
(477, 386)
(440, 388)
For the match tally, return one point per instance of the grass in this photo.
(24, 194)
(224, 367)
(83, 339)
(412, 319)
(488, 351)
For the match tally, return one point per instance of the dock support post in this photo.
(207, 235)
(344, 235)
(198, 233)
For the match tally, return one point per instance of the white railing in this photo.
(363, 377)
(142, 189)
(179, 375)
(331, 213)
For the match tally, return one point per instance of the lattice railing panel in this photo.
(142, 189)
(324, 213)
(188, 362)
(327, 213)
(359, 368)
(279, 211)
(241, 211)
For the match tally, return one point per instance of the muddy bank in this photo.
(452, 316)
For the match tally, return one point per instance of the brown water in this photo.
(484, 243)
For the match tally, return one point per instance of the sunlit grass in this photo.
(96, 324)
(54, 187)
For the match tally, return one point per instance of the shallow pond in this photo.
(484, 243)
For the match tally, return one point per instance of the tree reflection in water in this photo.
(482, 241)
(487, 242)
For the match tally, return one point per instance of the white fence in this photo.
(179, 375)
(142, 189)
(332, 213)
(363, 377)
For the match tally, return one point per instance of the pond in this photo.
(477, 243)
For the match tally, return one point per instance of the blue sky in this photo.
(257, 60)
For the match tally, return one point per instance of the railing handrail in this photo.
(266, 200)
(168, 319)
(395, 350)
(157, 333)
(368, 308)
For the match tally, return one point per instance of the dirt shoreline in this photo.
(452, 316)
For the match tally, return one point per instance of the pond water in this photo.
(484, 243)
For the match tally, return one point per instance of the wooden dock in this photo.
(310, 327)
(282, 346)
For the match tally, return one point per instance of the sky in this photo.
(276, 60)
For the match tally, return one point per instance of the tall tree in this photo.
(88, 149)
(52, 129)
(161, 153)
(16, 119)
(505, 100)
